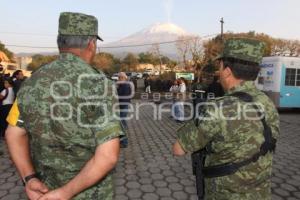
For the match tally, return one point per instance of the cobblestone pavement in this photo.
(147, 169)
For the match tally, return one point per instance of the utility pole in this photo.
(222, 23)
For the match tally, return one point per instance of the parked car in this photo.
(148, 71)
(139, 75)
(168, 70)
(156, 73)
(131, 75)
(145, 75)
(115, 76)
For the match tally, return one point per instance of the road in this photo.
(147, 170)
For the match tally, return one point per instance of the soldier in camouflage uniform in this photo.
(63, 120)
(231, 139)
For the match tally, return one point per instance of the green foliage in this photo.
(167, 76)
(130, 62)
(148, 58)
(165, 60)
(39, 60)
(171, 64)
(107, 63)
(7, 52)
(210, 67)
(274, 46)
(103, 60)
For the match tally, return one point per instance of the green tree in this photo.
(39, 60)
(171, 64)
(214, 46)
(165, 60)
(7, 52)
(148, 57)
(274, 46)
(130, 62)
(107, 63)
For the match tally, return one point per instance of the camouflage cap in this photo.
(243, 49)
(78, 24)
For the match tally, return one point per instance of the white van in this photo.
(279, 78)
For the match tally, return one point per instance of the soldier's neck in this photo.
(81, 53)
(233, 83)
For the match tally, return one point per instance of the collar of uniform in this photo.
(73, 57)
(245, 85)
(70, 56)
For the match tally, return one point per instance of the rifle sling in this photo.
(267, 146)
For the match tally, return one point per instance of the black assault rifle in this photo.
(198, 159)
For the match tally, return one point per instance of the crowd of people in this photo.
(201, 91)
(179, 95)
(9, 87)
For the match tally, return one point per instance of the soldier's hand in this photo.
(35, 189)
(58, 194)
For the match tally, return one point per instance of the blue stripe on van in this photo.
(286, 101)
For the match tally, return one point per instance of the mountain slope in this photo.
(157, 33)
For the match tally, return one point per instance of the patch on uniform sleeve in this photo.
(14, 114)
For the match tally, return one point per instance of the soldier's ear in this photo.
(92, 45)
(227, 72)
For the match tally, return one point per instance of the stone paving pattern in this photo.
(147, 170)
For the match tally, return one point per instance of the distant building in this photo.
(5, 62)
(181, 67)
(146, 66)
(23, 62)
(10, 67)
(3, 58)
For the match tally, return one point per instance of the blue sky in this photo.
(34, 22)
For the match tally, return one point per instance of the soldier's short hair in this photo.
(241, 69)
(74, 41)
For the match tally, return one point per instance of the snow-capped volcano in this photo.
(164, 28)
(159, 32)
(156, 33)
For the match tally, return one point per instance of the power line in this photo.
(47, 35)
(30, 47)
(29, 34)
(157, 43)
(120, 46)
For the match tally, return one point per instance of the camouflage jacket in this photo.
(66, 108)
(234, 134)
